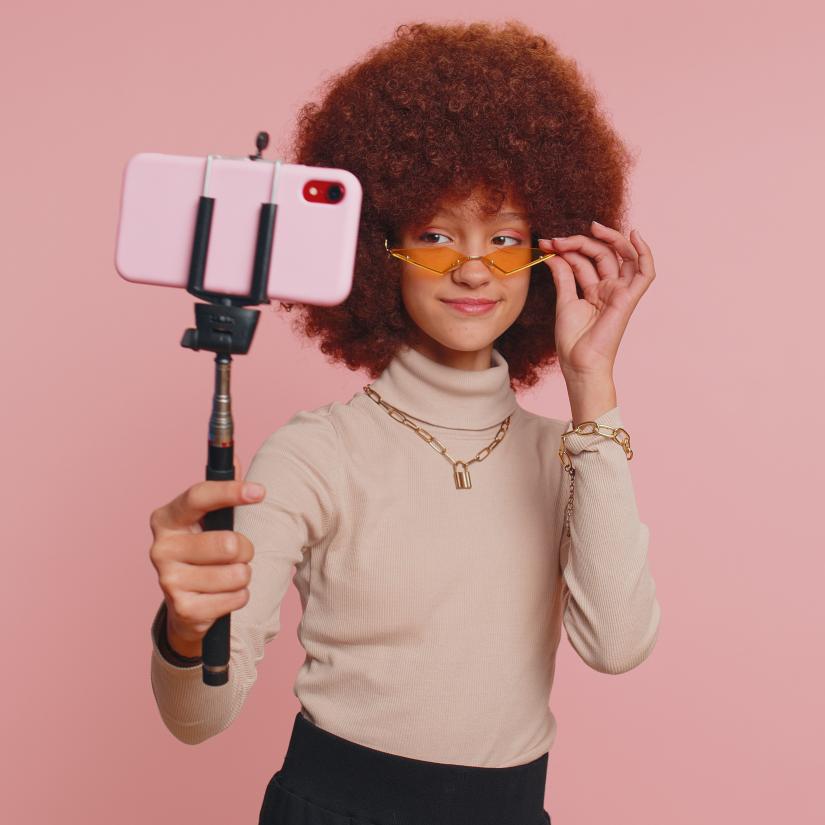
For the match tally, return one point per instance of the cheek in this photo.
(417, 293)
(517, 295)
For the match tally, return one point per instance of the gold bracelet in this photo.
(589, 428)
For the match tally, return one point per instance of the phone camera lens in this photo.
(335, 193)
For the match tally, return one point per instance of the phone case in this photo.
(314, 242)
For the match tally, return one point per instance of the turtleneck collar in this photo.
(443, 396)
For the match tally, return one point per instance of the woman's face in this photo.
(445, 332)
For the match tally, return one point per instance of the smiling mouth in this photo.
(470, 308)
(470, 301)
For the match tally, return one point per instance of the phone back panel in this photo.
(314, 244)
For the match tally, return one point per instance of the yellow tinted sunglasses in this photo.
(443, 259)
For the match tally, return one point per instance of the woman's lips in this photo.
(471, 307)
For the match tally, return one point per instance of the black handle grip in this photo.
(216, 640)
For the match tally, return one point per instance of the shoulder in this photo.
(325, 431)
(311, 421)
(308, 436)
(541, 427)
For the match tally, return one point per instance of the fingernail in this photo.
(598, 224)
(253, 490)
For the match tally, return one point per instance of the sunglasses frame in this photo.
(396, 252)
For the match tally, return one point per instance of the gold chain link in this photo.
(589, 428)
(461, 474)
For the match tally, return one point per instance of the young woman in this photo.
(436, 539)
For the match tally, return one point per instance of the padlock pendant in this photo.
(462, 476)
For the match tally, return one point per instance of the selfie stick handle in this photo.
(225, 327)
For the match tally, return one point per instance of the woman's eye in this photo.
(516, 241)
(433, 238)
(427, 236)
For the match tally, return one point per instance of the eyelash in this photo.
(424, 235)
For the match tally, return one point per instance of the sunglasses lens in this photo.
(513, 258)
(440, 259)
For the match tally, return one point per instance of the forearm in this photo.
(191, 710)
(611, 613)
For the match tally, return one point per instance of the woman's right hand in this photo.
(204, 574)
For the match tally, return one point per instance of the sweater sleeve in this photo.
(297, 464)
(611, 613)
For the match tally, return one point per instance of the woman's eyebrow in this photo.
(508, 215)
(493, 219)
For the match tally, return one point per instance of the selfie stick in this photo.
(225, 327)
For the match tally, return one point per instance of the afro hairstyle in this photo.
(439, 112)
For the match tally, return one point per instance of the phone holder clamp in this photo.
(223, 325)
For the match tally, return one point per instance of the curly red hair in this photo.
(440, 112)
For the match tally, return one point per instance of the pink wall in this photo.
(719, 378)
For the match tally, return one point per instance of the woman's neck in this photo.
(457, 359)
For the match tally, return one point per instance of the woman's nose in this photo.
(474, 271)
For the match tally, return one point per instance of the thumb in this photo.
(563, 278)
(237, 464)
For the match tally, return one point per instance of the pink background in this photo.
(719, 378)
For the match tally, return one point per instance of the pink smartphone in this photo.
(315, 234)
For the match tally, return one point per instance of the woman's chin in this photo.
(462, 340)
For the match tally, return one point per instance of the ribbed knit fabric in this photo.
(431, 615)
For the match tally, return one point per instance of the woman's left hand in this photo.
(588, 329)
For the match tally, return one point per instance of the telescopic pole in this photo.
(224, 327)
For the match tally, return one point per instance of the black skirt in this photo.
(328, 780)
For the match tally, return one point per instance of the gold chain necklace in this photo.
(461, 474)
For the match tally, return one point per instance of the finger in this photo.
(213, 547)
(564, 280)
(223, 578)
(194, 608)
(237, 465)
(622, 246)
(582, 268)
(188, 509)
(208, 547)
(584, 276)
(604, 258)
(646, 272)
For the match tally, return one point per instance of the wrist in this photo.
(592, 378)
(182, 647)
(171, 643)
(591, 396)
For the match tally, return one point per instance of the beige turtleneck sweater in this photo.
(431, 615)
